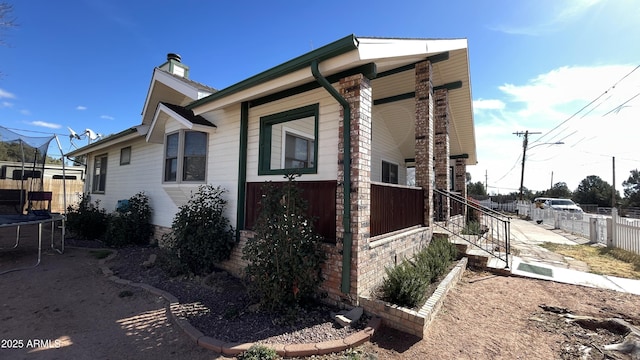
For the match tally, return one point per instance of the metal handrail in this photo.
(492, 234)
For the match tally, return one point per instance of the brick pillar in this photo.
(424, 136)
(442, 152)
(460, 182)
(460, 173)
(356, 89)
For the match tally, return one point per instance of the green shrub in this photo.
(472, 228)
(86, 220)
(201, 233)
(285, 256)
(406, 284)
(259, 352)
(130, 224)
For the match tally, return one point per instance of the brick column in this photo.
(441, 150)
(460, 173)
(424, 136)
(356, 89)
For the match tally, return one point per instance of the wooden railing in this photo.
(395, 207)
(321, 205)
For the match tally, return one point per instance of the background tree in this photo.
(594, 190)
(559, 190)
(476, 188)
(632, 189)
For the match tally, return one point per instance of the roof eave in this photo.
(339, 47)
(122, 136)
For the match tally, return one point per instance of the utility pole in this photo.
(486, 187)
(525, 143)
(613, 190)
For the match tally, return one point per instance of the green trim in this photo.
(264, 153)
(368, 70)
(461, 156)
(449, 86)
(433, 59)
(405, 96)
(242, 168)
(410, 95)
(347, 241)
(336, 48)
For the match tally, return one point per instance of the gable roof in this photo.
(387, 56)
(164, 111)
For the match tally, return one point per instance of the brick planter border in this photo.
(411, 321)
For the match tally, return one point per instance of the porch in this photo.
(392, 207)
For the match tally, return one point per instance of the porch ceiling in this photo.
(399, 116)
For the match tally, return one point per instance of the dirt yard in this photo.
(66, 308)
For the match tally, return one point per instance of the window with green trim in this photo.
(288, 142)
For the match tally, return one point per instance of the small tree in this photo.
(201, 233)
(284, 257)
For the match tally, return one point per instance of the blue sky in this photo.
(534, 63)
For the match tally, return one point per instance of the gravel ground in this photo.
(219, 306)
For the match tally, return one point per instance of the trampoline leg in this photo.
(39, 252)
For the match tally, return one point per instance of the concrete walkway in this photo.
(532, 260)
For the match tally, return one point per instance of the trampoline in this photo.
(17, 221)
(24, 188)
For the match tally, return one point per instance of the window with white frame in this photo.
(288, 142)
(99, 174)
(125, 155)
(185, 157)
(389, 172)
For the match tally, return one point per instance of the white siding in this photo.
(384, 148)
(329, 114)
(145, 172)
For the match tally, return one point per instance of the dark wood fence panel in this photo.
(321, 205)
(395, 208)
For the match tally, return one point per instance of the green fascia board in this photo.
(336, 48)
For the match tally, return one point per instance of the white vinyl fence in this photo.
(625, 232)
(614, 230)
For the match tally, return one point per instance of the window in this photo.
(125, 156)
(185, 154)
(288, 142)
(389, 172)
(100, 173)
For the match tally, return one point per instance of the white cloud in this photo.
(25, 112)
(482, 104)
(550, 104)
(80, 107)
(45, 124)
(6, 95)
(6, 104)
(107, 117)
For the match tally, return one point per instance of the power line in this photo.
(589, 104)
